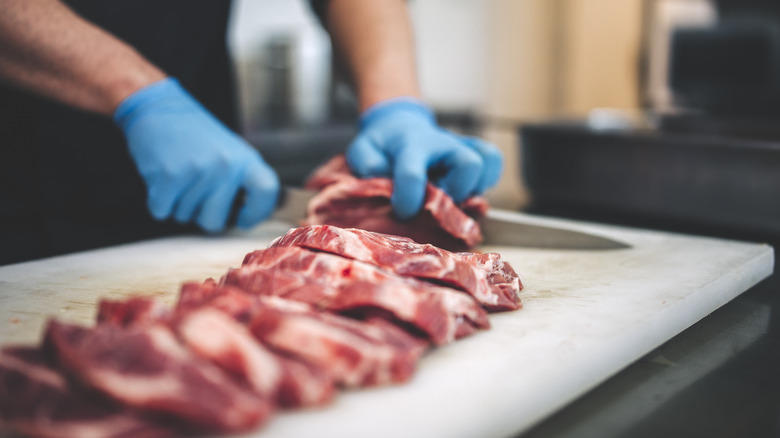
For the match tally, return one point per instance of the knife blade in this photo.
(505, 229)
(290, 206)
(498, 227)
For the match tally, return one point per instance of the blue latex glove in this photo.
(192, 164)
(399, 138)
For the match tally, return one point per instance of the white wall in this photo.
(255, 23)
(452, 40)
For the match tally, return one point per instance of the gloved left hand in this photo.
(192, 164)
(399, 138)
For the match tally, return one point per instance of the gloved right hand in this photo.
(192, 164)
(399, 138)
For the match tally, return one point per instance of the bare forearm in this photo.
(49, 50)
(374, 41)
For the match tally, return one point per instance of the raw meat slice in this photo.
(214, 336)
(144, 367)
(302, 384)
(487, 277)
(228, 299)
(330, 172)
(500, 274)
(133, 310)
(475, 207)
(37, 401)
(339, 284)
(349, 202)
(208, 333)
(351, 352)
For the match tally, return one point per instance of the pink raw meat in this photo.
(133, 310)
(351, 352)
(354, 353)
(487, 277)
(220, 339)
(36, 400)
(349, 202)
(339, 284)
(145, 367)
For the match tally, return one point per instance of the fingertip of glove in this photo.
(404, 214)
(251, 214)
(212, 229)
(209, 222)
(248, 220)
(364, 159)
(159, 212)
(403, 208)
(369, 167)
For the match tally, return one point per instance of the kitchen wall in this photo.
(556, 59)
(282, 57)
(504, 62)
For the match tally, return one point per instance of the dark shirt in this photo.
(67, 182)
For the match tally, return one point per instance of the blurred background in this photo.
(483, 65)
(652, 109)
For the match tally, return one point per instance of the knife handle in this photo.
(240, 199)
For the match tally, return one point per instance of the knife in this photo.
(291, 205)
(504, 228)
(498, 227)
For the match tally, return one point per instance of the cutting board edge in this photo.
(765, 266)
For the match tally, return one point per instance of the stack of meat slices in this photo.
(321, 309)
(346, 201)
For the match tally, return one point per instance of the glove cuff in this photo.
(167, 92)
(396, 104)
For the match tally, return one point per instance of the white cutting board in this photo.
(586, 315)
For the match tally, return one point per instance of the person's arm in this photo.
(51, 51)
(374, 40)
(193, 165)
(399, 136)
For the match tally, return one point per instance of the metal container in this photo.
(701, 182)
